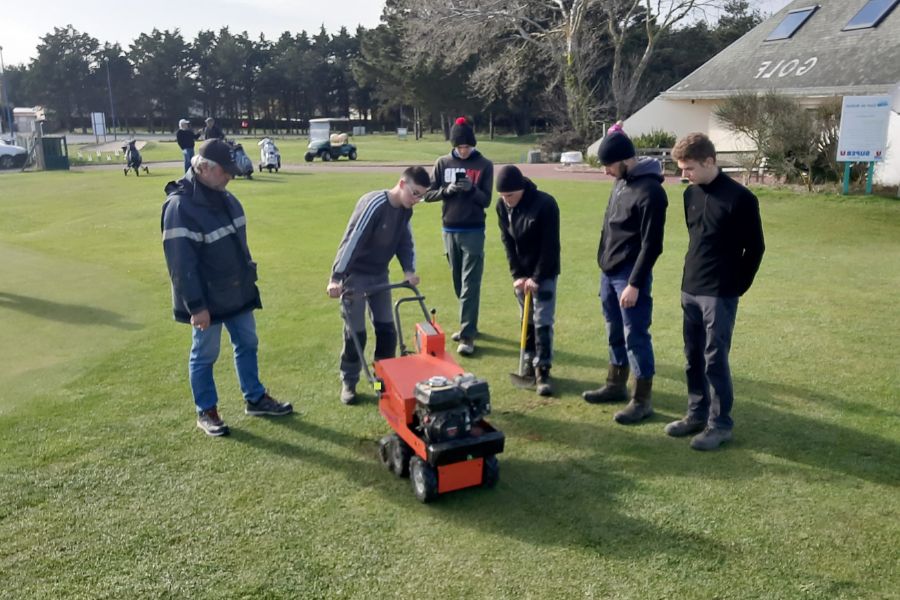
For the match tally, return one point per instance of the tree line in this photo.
(560, 65)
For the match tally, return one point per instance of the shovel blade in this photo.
(522, 381)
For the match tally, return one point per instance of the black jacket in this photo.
(205, 242)
(530, 234)
(214, 132)
(635, 222)
(464, 210)
(185, 138)
(726, 243)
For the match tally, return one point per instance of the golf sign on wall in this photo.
(863, 134)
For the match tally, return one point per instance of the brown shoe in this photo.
(640, 407)
(684, 427)
(615, 390)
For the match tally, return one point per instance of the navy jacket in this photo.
(204, 236)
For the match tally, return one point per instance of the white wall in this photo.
(887, 172)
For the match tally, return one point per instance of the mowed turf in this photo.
(372, 148)
(107, 489)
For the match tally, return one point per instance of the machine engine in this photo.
(447, 409)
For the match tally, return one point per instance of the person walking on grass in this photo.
(463, 181)
(204, 233)
(630, 243)
(379, 229)
(725, 249)
(529, 228)
(186, 138)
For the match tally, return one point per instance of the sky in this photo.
(22, 26)
(122, 21)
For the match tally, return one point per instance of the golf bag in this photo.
(243, 162)
(133, 158)
(269, 156)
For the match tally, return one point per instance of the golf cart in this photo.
(326, 143)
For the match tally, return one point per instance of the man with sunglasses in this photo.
(204, 233)
(378, 230)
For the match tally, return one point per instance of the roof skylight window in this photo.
(871, 14)
(791, 23)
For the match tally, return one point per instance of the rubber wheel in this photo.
(352, 155)
(261, 168)
(423, 478)
(6, 162)
(137, 172)
(399, 453)
(384, 451)
(491, 473)
(309, 157)
(126, 172)
(326, 156)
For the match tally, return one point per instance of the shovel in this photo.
(519, 379)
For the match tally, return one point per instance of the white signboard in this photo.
(98, 124)
(864, 127)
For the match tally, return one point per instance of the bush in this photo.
(657, 138)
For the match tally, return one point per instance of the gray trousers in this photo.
(708, 326)
(465, 252)
(353, 310)
(539, 340)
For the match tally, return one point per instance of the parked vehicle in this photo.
(12, 156)
(327, 143)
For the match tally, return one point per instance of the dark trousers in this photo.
(708, 326)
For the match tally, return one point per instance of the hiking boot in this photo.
(211, 423)
(639, 408)
(544, 384)
(466, 346)
(685, 426)
(348, 393)
(710, 439)
(615, 390)
(529, 370)
(267, 405)
(455, 336)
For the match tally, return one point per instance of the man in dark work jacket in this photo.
(631, 241)
(724, 253)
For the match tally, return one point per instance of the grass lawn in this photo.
(375, 148)
(107, 489)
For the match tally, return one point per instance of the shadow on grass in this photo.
(65, 313)
(563, 503)
(762, 427)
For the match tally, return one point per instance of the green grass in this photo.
(376, 148)
(107, 490)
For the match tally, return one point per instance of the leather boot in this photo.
(639, 408)
(615, 390)
(544, 384)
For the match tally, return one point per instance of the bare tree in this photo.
(457, 29)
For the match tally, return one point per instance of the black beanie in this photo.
(615, 147)
(461, 133)
(510, 179)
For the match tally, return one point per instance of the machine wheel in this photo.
(399, 453)
(352, 155)
(126, 171)
(491, 473)
(261, 168)
(384, 451)
(6, 162)
(423, 478)
(137, 172)
(309, 156)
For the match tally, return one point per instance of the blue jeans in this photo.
(188, 155)
(708, 326)
(205, 351)
(628, 329)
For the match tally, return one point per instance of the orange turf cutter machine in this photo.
(441, 439)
